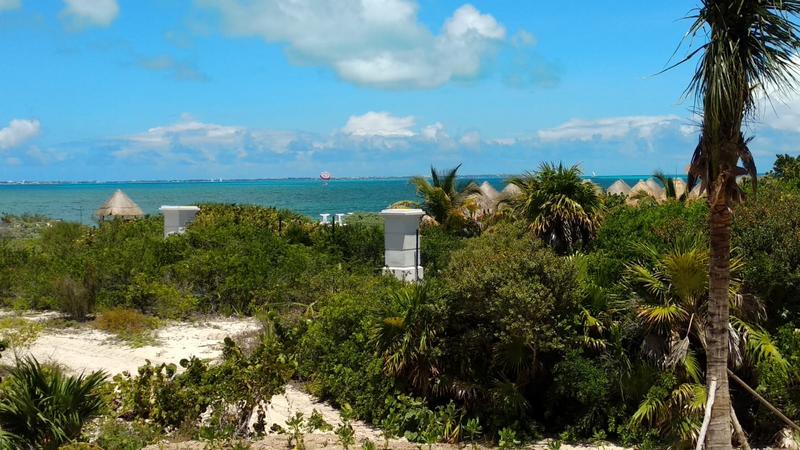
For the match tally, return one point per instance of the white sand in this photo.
(87, 349)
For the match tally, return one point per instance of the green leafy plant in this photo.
(295, 427)
(344, 432)
(473, 430)
(508, 438)
(44, 408)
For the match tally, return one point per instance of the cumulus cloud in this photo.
(378, 43)
(17, 132)
(8, 5)
(471, 140)
(381, 124)
(178, 70)
(84, 13)
(434, 132)
(610, 128)
(195, 142)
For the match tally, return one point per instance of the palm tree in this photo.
(746, 49)
(668, 183)
(43, 408)
(558, 205)
(444, 198)
(407, 334)
(670, 294)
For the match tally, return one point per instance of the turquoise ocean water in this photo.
(77, 202)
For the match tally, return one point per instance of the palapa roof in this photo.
(643, 187)
(512, 189)
(680, 187)
(487, 190)
(656, 190)
(619, 187)
(488, 197)
(119, 205)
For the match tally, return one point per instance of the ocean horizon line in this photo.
(240, 180)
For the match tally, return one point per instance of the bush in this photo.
(338, 360)
(127, 324)
(121, 435)
(160, 299)
(658, 225)
(76, 299)
(43, 408)
(765, 231)
(513, 304)
(233, 390)
(437, 245)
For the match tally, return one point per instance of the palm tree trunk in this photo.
(719, 429)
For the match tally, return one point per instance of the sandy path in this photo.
(87, 349)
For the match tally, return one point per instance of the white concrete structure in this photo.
(177, 218)
(323, 219)
(340, 219)
(401, 243)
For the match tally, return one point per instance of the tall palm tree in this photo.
(559, 206)
(670, 294)
(444, 197)
(746, 49)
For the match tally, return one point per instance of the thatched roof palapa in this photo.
(119, 205)
(680, 187)
(656, 190)
(619, 187)
(488, 197)
(512, 190)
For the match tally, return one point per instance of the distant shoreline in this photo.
(245, 180)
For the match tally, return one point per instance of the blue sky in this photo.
(154, 89)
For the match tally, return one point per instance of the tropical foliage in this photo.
(559, 206)
(747, 49)
(447, 200)
(506, 336)
(41, 407)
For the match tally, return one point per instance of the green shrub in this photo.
(43, 408)
(658, 225)
(437, 245)
(160, 299)
(766, 231)
(76, 299)
(113, 434)
(234, 390)
(127, 324)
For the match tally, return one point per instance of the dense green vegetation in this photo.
(511, 337)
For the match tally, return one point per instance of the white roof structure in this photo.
(656, 190)
(619, 187)
(680, 187)
(512, 189)
(119, 205)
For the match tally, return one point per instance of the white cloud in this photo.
(434, 132)
(193, 141)
(13, 161)
(17, 132)
(83, 13)
(643, 127)
(471, 139)
(503, 142)
(8, 5)
(380, 124)
(378, 43)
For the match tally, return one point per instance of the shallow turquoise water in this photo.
(77, 202)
